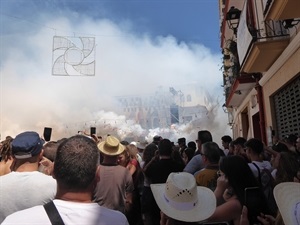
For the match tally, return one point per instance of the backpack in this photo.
(266, 182)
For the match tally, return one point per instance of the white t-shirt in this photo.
(274, 173)
(226, 150)
(261, 165)
(71, 213)
(194, 165)
(22, 190)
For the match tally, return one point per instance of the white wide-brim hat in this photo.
(141, 145)
(111, 146)
(287, 196)
(181, 199)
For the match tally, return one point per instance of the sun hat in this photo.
(26, 145)
(181, 199)
(111, 146)
(287, 196)
(141, 145)
(133, 143)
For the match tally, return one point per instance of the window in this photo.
(287, 109)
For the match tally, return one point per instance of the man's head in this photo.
(76, 163)
(27, 145)
(239, 145)
(254, 146)
(280, 147)
(211, 152)
(165, 147)
(226, 139)
(192, 145)
(50, 149)
(203, 137)
(291, 139)
(157, 139)
(181, 142)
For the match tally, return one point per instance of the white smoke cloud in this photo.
(126, 64)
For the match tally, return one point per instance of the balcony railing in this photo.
(259, 40)
(269, 30)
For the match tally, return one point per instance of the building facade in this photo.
(164, 107)
(260, 41)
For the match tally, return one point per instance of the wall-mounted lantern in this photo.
(232, 18)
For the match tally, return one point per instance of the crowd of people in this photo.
(86, 180)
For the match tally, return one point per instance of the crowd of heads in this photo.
(199, 167)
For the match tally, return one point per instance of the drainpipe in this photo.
(262, 122)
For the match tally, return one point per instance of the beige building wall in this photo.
(288, 71)
(282, 71)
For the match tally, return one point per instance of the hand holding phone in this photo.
(254, 203)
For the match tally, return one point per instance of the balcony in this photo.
(263, 54)
(240, 89)
(281, 9)
(260, 42)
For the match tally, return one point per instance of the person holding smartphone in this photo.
(262, 218)
(234, 177)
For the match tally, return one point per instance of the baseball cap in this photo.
(26, 145)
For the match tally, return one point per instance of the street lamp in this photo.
(232, 18)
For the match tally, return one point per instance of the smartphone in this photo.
(93, 130)
(47, 133)
(254, 203)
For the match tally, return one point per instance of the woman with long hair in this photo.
(129, 161)
(286, 167)
(234, 177)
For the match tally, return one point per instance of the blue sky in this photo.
(140, 45)
(187, 20)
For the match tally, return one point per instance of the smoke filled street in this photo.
(150, 112)
(126, 69)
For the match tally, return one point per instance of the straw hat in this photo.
(181, 199)
(111, 146)
(287, 196)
